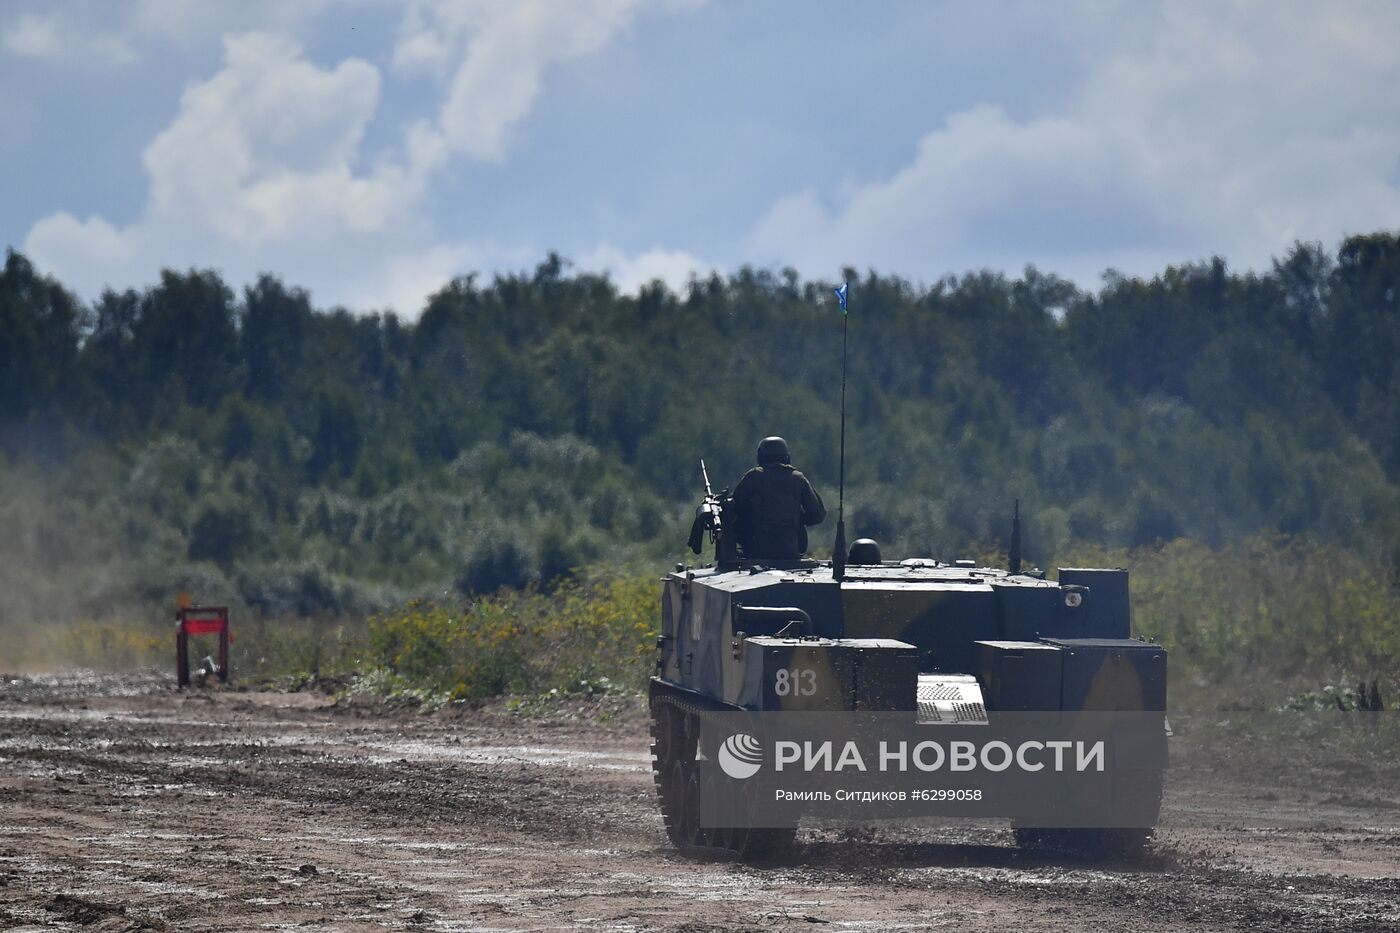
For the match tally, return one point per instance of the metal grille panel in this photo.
(950, 700)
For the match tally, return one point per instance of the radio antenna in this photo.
(838, 556)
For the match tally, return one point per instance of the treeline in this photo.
(252, 448)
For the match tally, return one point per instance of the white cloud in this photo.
(494, 57)
(264, 149)
(982, 178)
(257, 171)
(1202, 128)
(631, 272)
(54, 39)
(67, 245)
(32, 37)
(262, 168)
(405, 281)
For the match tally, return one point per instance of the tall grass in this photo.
(107, 646)
(1249, 623)
(591, 635)
(1264, 616)
(1252, 623)
(278, 651)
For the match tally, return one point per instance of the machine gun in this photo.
(710, 522)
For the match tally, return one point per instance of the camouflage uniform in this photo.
(772, 504)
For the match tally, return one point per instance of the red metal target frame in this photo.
(200, 620)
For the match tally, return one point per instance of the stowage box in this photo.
(1019, 676)
(872, 674)
(1106, 613)
(1112, 674)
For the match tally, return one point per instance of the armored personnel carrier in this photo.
(950, 649)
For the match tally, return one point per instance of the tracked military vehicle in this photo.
(951, 649)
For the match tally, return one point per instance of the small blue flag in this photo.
(841, 297)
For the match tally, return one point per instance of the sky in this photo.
(371, 151)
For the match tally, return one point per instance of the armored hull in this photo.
(944, 646)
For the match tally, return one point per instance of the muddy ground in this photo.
(125, 805)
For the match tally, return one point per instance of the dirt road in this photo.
(127, 806)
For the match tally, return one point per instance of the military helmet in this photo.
(864, 551)
(773, 450)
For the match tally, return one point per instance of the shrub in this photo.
(498, 558)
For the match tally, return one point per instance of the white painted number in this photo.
(799, 682)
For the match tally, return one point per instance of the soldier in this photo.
(773, 504)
